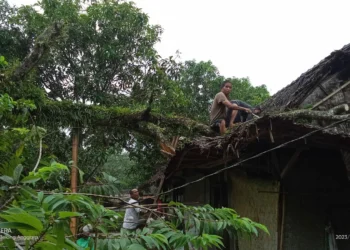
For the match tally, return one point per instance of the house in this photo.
(288, 170)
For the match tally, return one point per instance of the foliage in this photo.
(14, 44)
(46, 216)
(13, 138)
(101, 71)
(105, 185)
(126, 169)
(211, 220)
(103, 49)
(3, 62)
(243, 90)
(200, 82)
(197, 227)
(8, 105)
(104, 55)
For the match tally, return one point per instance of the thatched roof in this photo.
(294, 94)
(269, 131)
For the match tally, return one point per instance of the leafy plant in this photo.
(107, 185)
(3, 61)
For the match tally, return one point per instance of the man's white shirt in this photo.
(131, 218)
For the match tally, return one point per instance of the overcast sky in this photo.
(270, 41)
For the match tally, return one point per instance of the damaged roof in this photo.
(283, 120)
(253, 136)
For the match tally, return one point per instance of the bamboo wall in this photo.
(260, 207)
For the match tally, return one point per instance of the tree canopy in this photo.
(91, 69)
(102, 53)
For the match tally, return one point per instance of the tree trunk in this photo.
(74, 174)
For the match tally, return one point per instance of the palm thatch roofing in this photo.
(291, 97)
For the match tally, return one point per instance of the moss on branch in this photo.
(312, 115)
(69, 114)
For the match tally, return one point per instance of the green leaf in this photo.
(81, 175)
(7, 179)
(29, 191)
(102, 229)
(9, 243)
(40, 196)
(59, 166)
(70, 243)
(17, 173)
(17, 225)
(124, 242)
(20, 150)
(66, 214)
(46, 245)
(30, 179)
(262, 227)
(59, 231)
(19, 215)
(160, 238)
(57, 204)
(150, 242)
(136, 247)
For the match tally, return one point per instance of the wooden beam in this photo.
(281, 234)
(291, 162)
(271, 136)
(179, 162)
(331, 95)
(270, 132)
(323, 90)
(275, 163)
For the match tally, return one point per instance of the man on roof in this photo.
(237, 116)
(223, 112)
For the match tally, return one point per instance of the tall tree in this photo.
(103, 54)
(104, 48)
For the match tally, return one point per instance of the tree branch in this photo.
(7, 202)
(68, 114)
(40, 152)
(42, 44)
(312, 114)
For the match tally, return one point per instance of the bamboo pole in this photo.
(331, 95)
(74, 175)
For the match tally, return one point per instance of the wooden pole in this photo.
(291, 162)
(331, 95)
(280, 247)
(74, 174)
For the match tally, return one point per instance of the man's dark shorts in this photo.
(216, 125)
(241, 116)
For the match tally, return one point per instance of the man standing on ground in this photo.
(218, 117)
(131, 218)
